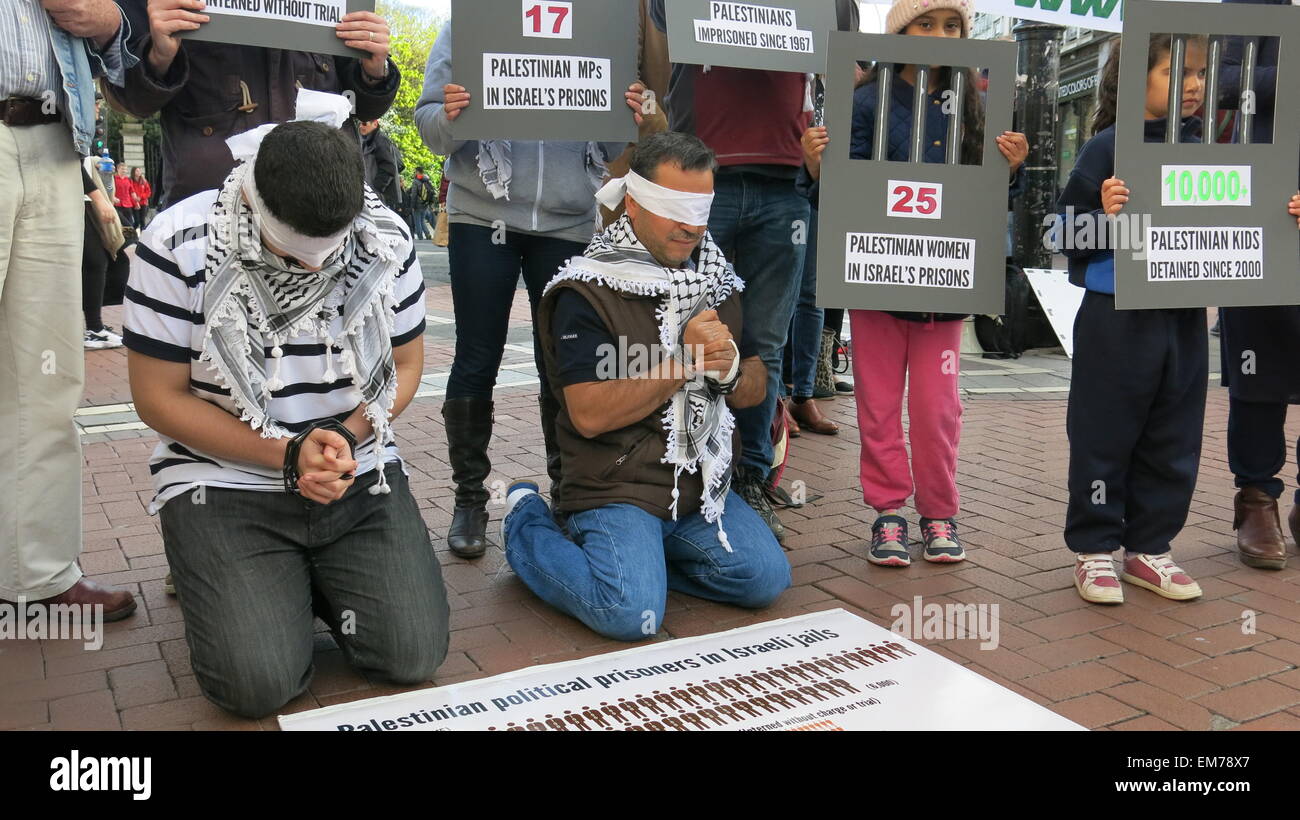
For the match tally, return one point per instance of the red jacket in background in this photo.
(123, 192)
(143, 191)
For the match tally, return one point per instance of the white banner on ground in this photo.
(1060, 301)
(827, 671)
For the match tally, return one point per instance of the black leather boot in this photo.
(469, 429)
(550, 408)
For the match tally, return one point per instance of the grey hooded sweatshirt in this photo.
(552, 184)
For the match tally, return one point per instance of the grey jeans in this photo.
(246, 565)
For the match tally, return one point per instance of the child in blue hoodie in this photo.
(1138, 384)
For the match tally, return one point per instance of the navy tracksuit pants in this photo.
(1136, 414)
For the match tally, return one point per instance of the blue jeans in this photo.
(805, 343)
(754, 223)
(615, 573)
(484, 278)
(421, 223)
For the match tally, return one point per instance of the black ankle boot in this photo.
(469, 429)
(550, 408)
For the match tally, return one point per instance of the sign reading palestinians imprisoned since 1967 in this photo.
(296, 25)
(913, 236)
(825, 671)
(776, 35)
(545, 69)
(1205, 224)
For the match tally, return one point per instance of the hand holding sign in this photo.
(815, 140)
(368, 32)
(1014, 147)
(1294, 209)
(455, 100)
(167, 18)
(636, 100)
(1113, 196)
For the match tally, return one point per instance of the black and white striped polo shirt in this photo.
(164, 320)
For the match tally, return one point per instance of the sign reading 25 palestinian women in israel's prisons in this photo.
(545, 69)
(296, 25)
(914, 236)
(1206, 224)
(777, 35)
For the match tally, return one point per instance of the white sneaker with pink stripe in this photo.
(1162, 576)
(1094, 577)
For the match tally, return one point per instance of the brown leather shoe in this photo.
(790, 424)
(117, 603)
(1294, 520)
(1259, 530)
(810, 417)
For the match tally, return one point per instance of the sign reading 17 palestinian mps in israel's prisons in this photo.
(545, 69)
(827, 671)
(914, 236)
(776, 35)
(1206, 223)
(296, 25)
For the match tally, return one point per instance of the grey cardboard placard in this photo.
(1217, 240)
(601, 42)
(260, 23)
(777, 35)
(855, 193)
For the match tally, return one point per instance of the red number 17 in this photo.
(535, 13)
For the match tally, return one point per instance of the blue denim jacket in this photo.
(80, 63)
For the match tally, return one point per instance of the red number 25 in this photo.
(925, 201)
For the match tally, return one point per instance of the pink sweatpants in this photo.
(887, 354)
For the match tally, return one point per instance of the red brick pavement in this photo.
(1149, 664)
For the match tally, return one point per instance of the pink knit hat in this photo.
(903, 12)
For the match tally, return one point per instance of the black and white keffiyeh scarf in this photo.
(254, 302)
(698, 421)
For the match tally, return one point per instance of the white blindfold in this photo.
(679, 206)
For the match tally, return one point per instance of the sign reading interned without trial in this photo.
(776, 35)
(827, 671)
(1206, 224)
(545, 69)
(296, 25)
(906, 236)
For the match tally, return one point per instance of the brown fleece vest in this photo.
(622, 466)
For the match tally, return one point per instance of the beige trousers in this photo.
(42, 222)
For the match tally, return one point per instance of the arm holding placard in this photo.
(432, 115)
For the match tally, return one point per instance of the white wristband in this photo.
(735, 366)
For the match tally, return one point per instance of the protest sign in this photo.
(1206, 223)
(1060, 300)
(1103, 15)
(778, 35)
(295, 25)
(825, 671)
(913, 236)
(545, 70)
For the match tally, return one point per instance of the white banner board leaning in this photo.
(827, 671)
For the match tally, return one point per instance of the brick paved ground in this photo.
(1150, 664)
